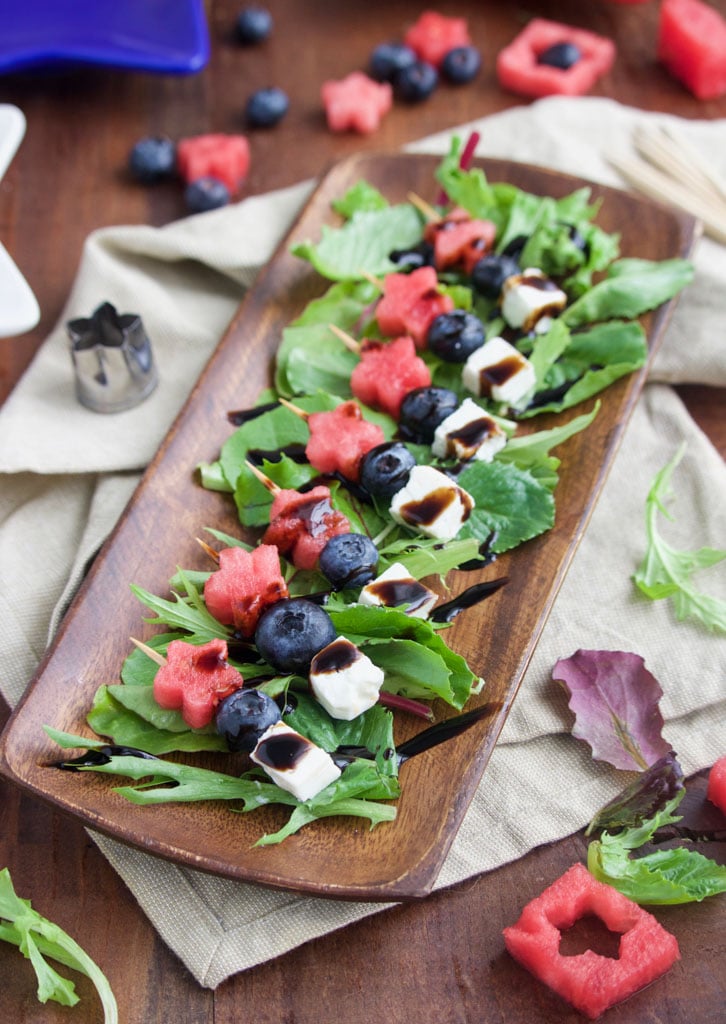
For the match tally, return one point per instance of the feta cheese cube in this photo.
(498, 370)
(529, 296)
(432, 504)
(396, 588)
(344, 680)
(293, 762)
(468, 433)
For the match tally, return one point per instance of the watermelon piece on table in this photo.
(518, 70)
(244, 585)
(386, 373)
(459, 240)
(692, 46)
(434, 35)
(302, 524)
(716, 791)
(195, 679)
(589, 981)
(340, 438)
(224, 157)
(356, 103)
(410, 303)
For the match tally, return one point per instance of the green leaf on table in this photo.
(643, 798)
(668, 876)
(666, 572)
(37, 938)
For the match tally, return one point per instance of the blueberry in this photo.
(423, 409)
(560, 55)
(385, 469)
(461, 64)
(421, 255)
(388, 59)
(291, 632)
(490, 273)
(349, 560)
(254, 24)
(266, 107)
(416, 82)
(206, 194)
(153, 159)
(242, 717)
(454, 336)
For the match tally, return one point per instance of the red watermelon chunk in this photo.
(224, 157)
(302, 524)
(356, 103)
(460, 240)
(340, 438)
(716, 791)
(589, 981)
(433, 35)
(692, 46)
(195, 679)
(244, 585)
(410, 303)
(387, 371)
(518, 70)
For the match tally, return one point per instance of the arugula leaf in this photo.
(643, 798)
(127, 727)
(666, 572)
(632, 287)
(529, 450)
(665, 877)
(363, 244)
(361, 196)
(510, 501)
(37, 938)
(188, 613)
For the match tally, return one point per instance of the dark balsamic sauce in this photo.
(336, 657)
(239, 416)
(467, 599)
(499, 373)
(294, 451)
(100, 756)
(283, 751)
(465, 440)
(429, 508)
(394, 593)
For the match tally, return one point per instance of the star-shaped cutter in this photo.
(19, 310)
(168, 36)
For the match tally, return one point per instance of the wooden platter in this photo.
(335, 858)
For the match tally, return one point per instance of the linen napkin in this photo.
(67, 473)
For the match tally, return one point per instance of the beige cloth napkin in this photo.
(66, 474)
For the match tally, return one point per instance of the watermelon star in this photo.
(356, 103)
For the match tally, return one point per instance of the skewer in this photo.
(214, 555)
(295, 408)
(372, 279)
(149, 651)
(680, 163)
(429, 212)
(264, 480)
(350, 343)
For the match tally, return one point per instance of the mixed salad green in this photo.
(595, 341)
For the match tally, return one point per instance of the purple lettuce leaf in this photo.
(643, 798)
(615, 702)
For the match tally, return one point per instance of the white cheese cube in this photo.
(432, 504)
(396, 588)
(293, 762)
(468, 433)
(344, 680)
(498, 370)
(529, 296)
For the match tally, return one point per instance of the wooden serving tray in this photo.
(156, 533)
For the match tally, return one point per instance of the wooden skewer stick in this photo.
(423, 207)
(264, 480)
(680, 164)
(375, 281)
(214, 555)
(295, 408)
(149, 651)
(350, 343)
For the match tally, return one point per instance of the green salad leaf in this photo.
(631, 287)
(37, 938)
(666, 572)
(668, 876)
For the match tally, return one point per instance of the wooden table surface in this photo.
(442, 960)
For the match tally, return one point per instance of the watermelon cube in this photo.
(692, 46)
(519, 71)
(434, 35)
(340, 438)
(716, 791)
(387, 372)
(302, 524)
(459, 240)
(224, 157)
(410, 303)
(195, 679)
(356, 103)
(244, 585)
(589, 981)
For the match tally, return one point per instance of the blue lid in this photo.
(168, 36)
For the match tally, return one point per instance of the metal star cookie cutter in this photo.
(112, 358)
